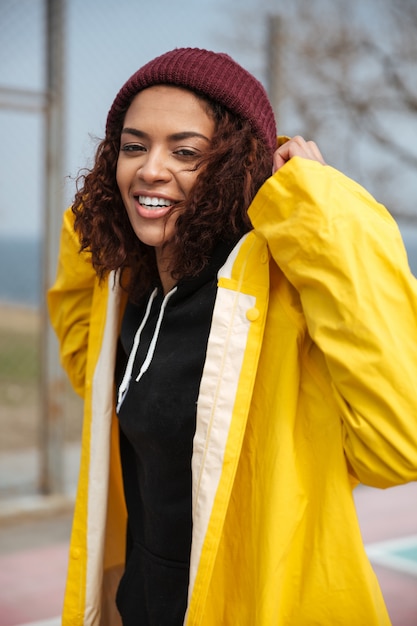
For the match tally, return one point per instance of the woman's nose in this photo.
(154, 167)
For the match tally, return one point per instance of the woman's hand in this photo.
(297, 146)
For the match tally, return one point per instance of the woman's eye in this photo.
(132, 147)
(186, 152)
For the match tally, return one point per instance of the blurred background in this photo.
(341, 73)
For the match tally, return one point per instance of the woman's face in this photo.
(165, 132)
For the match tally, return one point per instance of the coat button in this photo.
(252, 314)
(75, 553)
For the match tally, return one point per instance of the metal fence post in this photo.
(52, 378)
(274, 77)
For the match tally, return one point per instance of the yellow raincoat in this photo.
(308, 387)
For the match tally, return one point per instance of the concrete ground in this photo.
(34, 536)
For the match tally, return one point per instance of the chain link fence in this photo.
(23, 102)
(20, 264)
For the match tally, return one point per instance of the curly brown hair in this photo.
(231, 172)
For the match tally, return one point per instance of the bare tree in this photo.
(348, 79)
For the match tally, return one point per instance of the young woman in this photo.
(245, 344)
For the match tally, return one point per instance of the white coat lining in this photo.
(101, 418)
(225, 353)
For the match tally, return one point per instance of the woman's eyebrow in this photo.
(135, 132)
(186, 134)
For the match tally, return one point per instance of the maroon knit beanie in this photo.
(212, 74)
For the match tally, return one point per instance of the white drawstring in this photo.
(124, 386)
(152, 345)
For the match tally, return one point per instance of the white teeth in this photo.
(154, 202)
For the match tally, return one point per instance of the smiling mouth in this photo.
(154, 203)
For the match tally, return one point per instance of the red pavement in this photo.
(387, 515)
(32, 581)
(32, 584)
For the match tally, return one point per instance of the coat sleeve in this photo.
(69, 303)
(344, 254)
